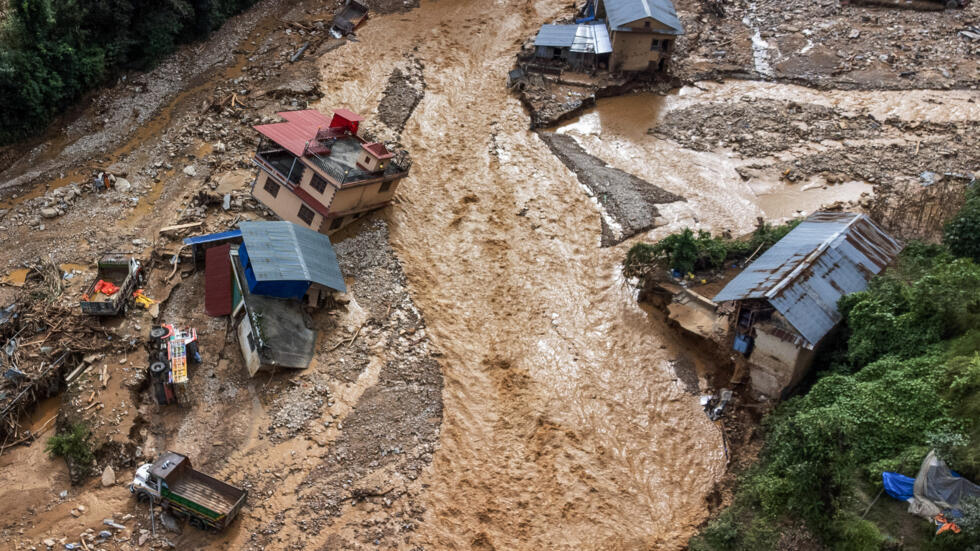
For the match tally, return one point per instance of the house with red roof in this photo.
(320, 173)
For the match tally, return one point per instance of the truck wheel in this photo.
(142, 497)
(158, 368)
(952, 4)
(196, 523)
(158, 332)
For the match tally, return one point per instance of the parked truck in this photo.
(171, 482)
(112, 290)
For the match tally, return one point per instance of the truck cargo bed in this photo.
(206, 491)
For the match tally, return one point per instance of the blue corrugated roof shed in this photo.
(285, 252)
(827, 256)
(622, 12)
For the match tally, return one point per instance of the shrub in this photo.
(962, 233)
(688, 251)
(73, 445)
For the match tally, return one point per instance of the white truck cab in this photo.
(144, 485)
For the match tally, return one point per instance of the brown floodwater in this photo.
(565, 427)
(615, 130)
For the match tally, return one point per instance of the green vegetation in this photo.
(688, 251)
(73, 445)
(53, 51)
(904, 379)
(962, 233)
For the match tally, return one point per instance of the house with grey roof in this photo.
(628, 36)
(642, 33)
(785, 302)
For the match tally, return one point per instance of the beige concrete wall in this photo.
(286, 204)
(654, 25)
(362, 196)
(776, 364)
(328, 192)
(631, 51)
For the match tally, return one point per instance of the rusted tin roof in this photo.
(829, 255)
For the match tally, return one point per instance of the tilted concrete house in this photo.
(319, 172)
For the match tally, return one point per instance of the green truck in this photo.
(206, 503)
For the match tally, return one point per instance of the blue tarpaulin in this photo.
(898, 486)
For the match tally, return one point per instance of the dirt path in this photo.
(564, 427)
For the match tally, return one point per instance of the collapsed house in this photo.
(784, 304)
(320, 173)
(264, 283)
(624, 36)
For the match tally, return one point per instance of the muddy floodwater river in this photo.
(564, 422)
(564, 426)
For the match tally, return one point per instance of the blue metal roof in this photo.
(623, 12)
(827, 256)
(198, 239)
(283, 251)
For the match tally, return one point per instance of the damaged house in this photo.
(623, 36)
(320, 173)
(785, 302)
(264, 283)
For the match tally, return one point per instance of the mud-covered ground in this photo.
(488, 382)
(830, 44)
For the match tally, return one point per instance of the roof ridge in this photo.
(302, 256)
(810, 258)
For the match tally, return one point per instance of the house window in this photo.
(251, 342)
(656, 45)
(306, 214)
(336, 223)
(385, 186)
(318, 183)
(646, 24)
(271, 188)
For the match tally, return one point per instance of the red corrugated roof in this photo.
(294, 134)
(217, 281)
(378, 150)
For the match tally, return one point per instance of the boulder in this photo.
(190, 171)
(123, 185)
(49, 212)
(108, 476)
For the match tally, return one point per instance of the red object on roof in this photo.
(297, 132)
(217, 281)
(378, 150)
(342, 118)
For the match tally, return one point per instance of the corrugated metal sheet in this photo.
(556, 36)
(623, 12)
(283, 251)
(217, 281)
(592, 39)
(300, 128)
(211, 237)
(829, 255)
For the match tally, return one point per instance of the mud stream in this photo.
(564, 425)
